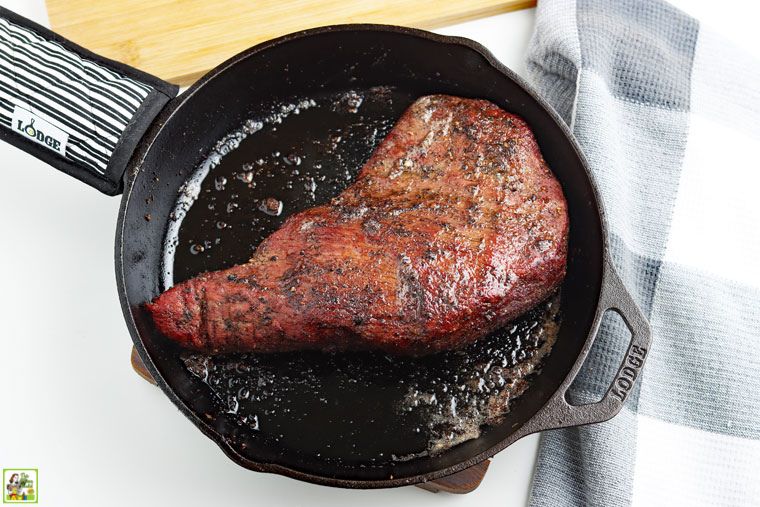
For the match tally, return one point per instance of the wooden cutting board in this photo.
(179, 40)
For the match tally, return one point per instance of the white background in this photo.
(63, 344)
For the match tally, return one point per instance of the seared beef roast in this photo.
(453, 227)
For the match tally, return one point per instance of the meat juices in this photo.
(454, 226)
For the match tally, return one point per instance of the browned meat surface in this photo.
(453, 227)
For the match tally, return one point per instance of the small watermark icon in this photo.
(20, 485)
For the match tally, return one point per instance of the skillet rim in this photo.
(135, 167)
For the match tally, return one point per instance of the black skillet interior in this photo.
(387, 68)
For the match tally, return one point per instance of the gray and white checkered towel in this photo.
(668, 115)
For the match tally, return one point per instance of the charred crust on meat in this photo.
(420, 254)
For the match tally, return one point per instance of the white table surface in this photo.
(71, 405)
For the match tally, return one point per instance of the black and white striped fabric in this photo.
(79, 112)
(90, 103)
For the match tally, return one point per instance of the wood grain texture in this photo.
(140, 368)
(179, 40)
(459, 483)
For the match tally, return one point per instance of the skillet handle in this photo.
(79, 112)
(558, 413)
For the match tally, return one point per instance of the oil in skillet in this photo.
(358, 409)
(370, 408)
(305, 153)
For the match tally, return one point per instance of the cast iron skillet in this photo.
(165, 143)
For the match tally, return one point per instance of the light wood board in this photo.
(179, 40)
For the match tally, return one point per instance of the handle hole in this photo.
(603, 361)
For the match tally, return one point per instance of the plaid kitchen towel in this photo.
(668, 115)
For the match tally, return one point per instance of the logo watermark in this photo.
(20, 485)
